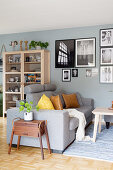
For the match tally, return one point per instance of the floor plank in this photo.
(30, 158)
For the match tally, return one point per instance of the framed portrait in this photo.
(88, 72)
(64, 53)
(106, 56)
(66, 75)
(106, 37)
(85, 52)
(74, 72)
(106, 74)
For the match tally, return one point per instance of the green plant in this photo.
(27, 106)
(38, 43)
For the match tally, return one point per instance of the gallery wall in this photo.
(88, 86)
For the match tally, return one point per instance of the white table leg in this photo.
(100, 119)
(95, 127)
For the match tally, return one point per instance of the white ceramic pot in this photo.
(38, 48)
(28, 116)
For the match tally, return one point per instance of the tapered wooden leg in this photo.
(18, 144)
(47, 139)
(11, 140)
(100, 119)
(95, 127)
(41, 146)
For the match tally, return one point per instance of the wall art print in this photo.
(85, 52)
(64, 53)
(106, 56)
(66, 75)
(106, 74)
(106, 37)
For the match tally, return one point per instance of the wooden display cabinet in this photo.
(21, 68)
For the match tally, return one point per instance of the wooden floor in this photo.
(30, 158)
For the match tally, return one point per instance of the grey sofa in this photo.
(61, 128)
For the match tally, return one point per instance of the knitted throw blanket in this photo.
(80, 135)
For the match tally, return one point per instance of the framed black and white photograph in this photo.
(106, 74)
(85, 52)
(88, 72)
(106, 37)
(64, 53)
(66, 75)
(74, 72)
(106, 56)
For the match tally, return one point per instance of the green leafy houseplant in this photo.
(38, 43)
(27, 106)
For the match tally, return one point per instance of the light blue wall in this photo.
(88, 87)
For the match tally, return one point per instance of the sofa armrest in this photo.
(57, 124)
(88, 102)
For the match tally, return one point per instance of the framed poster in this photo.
(106, 37)
(66, 75)
(64, 53)
(74, 72)
(106, 74)
(106, 56)
(85, 52)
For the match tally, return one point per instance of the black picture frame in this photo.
(66, 75)
(74, 72)
(65, 53)
(106, 44)
(90, 61)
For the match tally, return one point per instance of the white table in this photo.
(99, 112)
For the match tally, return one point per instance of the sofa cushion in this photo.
(87, 110)
(33, 88)
(73, 123)
(79, 98)
(56, 102)
(70, 101)
(35, 97)
(45, 103)
(50, 87)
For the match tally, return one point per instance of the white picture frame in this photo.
(85, 53)
(106, 56)
(106, 74)
(66, 75)
(106, 37)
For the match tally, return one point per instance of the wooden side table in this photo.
(35, 128)
(99, 112)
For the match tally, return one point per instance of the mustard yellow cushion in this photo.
(45, 103)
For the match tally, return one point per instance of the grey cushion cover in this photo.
(35, 97)
(50, 87)
(33, 88)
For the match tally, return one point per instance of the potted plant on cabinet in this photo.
(38, 45)
(28, 115)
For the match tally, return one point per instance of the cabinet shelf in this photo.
(12, 72)
(11, 102)
(13, 92)
(32, 72)
(13, 63)
(32, 62)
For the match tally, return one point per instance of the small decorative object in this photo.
(16, 89)
(28, 115)
(13, 44)
(106, 56)
(64, 53)
(11, 79)
(85, 52)
(106, 37)
(16, 79)
(38, 45)
(88, 72)
(25, 44)
(27, 59)
(13, 69)
(106, 74)
(21, 45)
(112, 104)
(66, 75)
(74, 72)
(15, 98)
